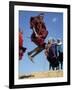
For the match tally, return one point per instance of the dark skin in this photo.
(39, 34)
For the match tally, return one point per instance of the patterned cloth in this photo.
(40, 28)
(21, 48)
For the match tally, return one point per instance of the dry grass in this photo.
(49, 74)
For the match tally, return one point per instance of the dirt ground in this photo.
(49, 74)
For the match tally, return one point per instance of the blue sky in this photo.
(54, 25)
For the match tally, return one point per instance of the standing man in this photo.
(60, 52)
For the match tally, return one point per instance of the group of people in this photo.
(52, 48)
(54, 54)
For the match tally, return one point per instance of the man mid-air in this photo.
(39, 34)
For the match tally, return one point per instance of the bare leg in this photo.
(34, 50)
(49, 66)
(61, 65)
(53, 68)
(37, 51)
(57, 68)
